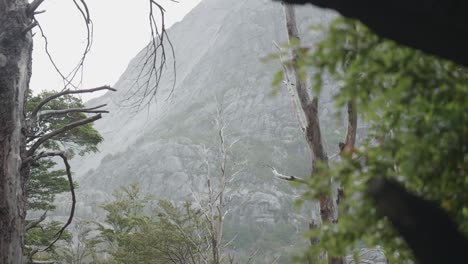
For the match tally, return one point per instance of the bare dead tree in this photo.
(308, 108)
(307, 112)
(214, 201)
(81, 248)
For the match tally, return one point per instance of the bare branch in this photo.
(35, 223)
(47, 155)
(32, 253)
(67, 92)
(33, 7)
(73, 110)
(276, 259)
(230, 241)
(83, 10)
(39, 12)
(72, 191)
(29, 27)
(252, 256)
(69, 78)
(154, 62)
(286, 177)
(62, 130)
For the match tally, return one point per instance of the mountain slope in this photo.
(218, 49)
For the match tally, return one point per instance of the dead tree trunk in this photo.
(309, 107)
(311, 126)
(15, 72)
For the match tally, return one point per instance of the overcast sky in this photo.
(121, 30)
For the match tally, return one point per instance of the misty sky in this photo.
(121, 30)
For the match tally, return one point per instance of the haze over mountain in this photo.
(164, 147)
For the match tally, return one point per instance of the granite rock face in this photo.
(165, 145)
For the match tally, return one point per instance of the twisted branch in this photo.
(69, 78)
(59, 233)
(62, 130)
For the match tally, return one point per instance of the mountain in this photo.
(165, 145)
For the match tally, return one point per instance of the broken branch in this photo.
(39, 12)
(286, 177)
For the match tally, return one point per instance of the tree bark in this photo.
(15, 72)
(309, 107)
(350, 140)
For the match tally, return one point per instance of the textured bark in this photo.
(347, 148)
(15, 71)
(350, 141)
(308, 105)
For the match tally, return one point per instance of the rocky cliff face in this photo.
(218, 49)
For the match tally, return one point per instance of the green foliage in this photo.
(41, 236)
(124, 212)
(169, 234)
(415, 105)
(278, 78)
(84, 138)
(267, 240)
(45, 182)
(81, 248)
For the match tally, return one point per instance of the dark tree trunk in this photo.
(15, 72)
